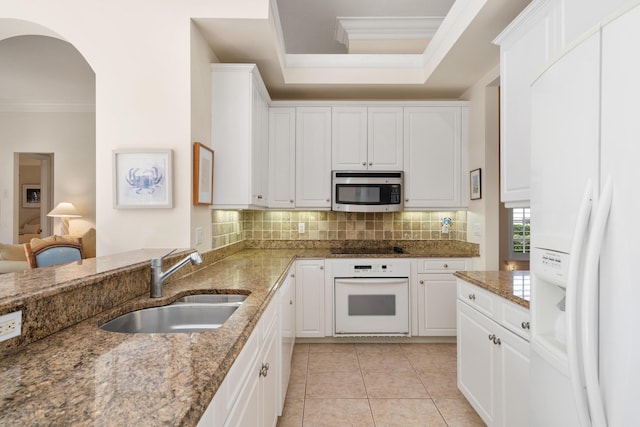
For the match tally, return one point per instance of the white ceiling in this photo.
(297, 53)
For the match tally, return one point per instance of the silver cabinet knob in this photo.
(492, 337)
(445, 266)
(321, 267)
(406, 200)
(290, 200)
(293, 275)
(421, 282)
(364, 163)
(525, 325)
(370, 163)
(290, 302)
(259, 197)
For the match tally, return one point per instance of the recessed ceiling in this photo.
(299, 56)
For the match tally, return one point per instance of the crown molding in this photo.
(386, 28)
(17, 106)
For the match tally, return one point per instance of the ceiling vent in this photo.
(386, 35)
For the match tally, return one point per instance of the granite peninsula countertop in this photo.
(512, 285)
(82, 375)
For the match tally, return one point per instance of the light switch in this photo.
(199, 235)
(476, 229)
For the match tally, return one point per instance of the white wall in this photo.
(141, 55)
(484, 154)
(70, 136)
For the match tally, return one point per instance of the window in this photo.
(519, 233)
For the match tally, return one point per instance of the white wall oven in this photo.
(371, 297)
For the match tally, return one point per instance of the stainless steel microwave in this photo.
(363, 191)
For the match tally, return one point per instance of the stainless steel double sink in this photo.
(192, 313)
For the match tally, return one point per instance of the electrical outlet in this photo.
(301, 227)
(199, 235)
(10, 325)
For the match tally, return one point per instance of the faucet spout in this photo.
(158, 277)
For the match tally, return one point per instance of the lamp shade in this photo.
(65, 209)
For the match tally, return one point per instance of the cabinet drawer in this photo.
(476, 298)
(516, 319)
(436, 265)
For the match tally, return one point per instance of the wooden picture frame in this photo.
(475, 184)
(142, 179)
(202, 174)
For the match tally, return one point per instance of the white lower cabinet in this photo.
(493, 362)
(248, 396)
(310, 307)
(437, 295)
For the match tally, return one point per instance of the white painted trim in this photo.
(522, 23)
(386, 28)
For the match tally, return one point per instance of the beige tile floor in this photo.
(375, 385)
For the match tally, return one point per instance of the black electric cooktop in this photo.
(367, 251)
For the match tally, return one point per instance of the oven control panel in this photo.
(370, 267)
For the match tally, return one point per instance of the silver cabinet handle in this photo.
(525, 325)
(492, 337)
(293, 275)
(472, 297)
(259, 197)
(264, 371)
(421, 282)
(497, 342)
(495, 339)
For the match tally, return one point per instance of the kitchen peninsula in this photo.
(75, 373)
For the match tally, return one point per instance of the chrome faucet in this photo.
(158, 276)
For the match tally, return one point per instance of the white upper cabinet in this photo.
(282, 157)
(367, 138)
(385, 143)
(313, 157)
(525, 47)
(435, 150)
(239, 136)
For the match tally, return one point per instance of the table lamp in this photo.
(64, 210)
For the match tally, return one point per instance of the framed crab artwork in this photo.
(142, 179)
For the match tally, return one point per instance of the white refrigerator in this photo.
(585, 201)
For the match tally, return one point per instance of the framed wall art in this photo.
(475, 182)
(202, 174)
(31, 196)
(142, 179)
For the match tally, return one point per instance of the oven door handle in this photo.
(372, 280)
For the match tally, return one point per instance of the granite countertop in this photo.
(82, 375)
(512, 285)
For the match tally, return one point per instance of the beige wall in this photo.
(70, 136)
(483, 214)
(143, 96)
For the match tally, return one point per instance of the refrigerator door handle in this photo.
(590, 307)
(572, 307)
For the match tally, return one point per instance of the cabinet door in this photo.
(520, 63)
(260, 149)
(310, 298)
(477, 374)
(282, 157)
(313, 157)
(269, 380)
(246, 411)
(287, 334)
(349, 138)
(385, 143)
(433, 156)
(437, 305)
(514, 380)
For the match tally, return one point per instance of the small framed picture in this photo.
(202, 174)
(30, 196)
(475, 183)
(142, 179)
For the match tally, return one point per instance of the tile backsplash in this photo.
(233, 226)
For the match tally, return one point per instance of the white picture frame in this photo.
(202, 174)
(142, 179)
